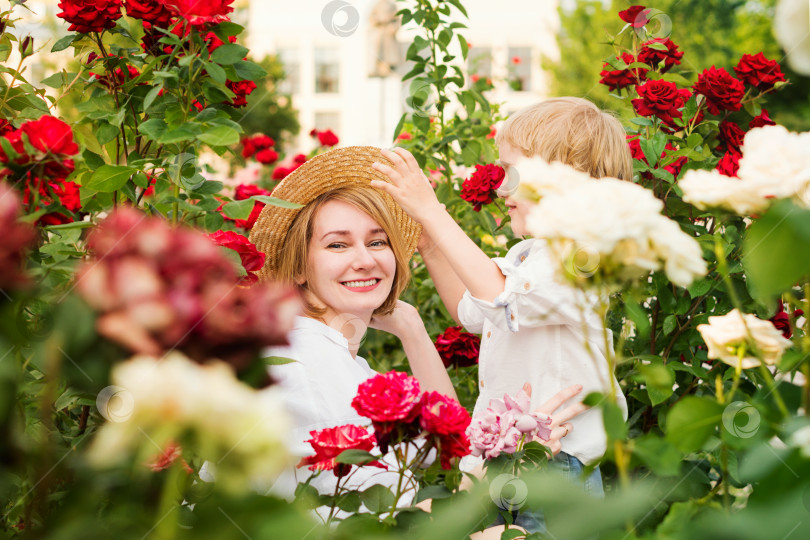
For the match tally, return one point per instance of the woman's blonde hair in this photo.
(295, 250)
(574, 131)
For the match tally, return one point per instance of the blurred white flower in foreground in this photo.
(775, 165)
(237, 429)
(536, 178)
(608, 231)
(737, 338)
(791, 27)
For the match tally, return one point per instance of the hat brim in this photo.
(323, 173)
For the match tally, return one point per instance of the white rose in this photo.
(725, 335)
(777, 161)
(791, 25)
(532, 178)
(710, 189)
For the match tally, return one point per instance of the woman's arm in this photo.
(406, 324)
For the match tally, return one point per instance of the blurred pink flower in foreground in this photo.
(504, 424)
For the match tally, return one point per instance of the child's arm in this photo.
(412, 190)
(447, 283)
(406, 324)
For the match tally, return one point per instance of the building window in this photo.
(328, 120)
(327, 71)
(479, 62)
(520, 68)
(291, 60)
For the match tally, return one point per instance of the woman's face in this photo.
(350, 266)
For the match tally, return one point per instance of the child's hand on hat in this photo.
(408, 185)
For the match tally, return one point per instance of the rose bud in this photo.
(27, 47)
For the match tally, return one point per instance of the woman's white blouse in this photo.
(533, 332)
(317, 390)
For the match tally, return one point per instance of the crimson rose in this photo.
(242, 89)
(152, 11)
(267, 156)
(252, 259)
(329, 443)
(761, 120)
(327, 137)
(251, 145)
(758, 71)
(479, 189)
(729, 164)
(16, 237)
(90, 15)
(616, 79)
(653, 56)
(731, 135)
(635, 16)
(458, 348)
(662, 99)
(443, 415)
(197, 12)
(636, 152)
(389, 397)
(50, 136)
(723, 92)
(246, 191)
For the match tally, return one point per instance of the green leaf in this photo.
(615, 425)
(639, 317)
(65, 42)
(150, 98)
(277, 360)
(153, 128)
(349, 502)
(275, 201)
(659, 381)
(229, 53)
(249, 71)
(109, 178)
(216, 72)
(377, 498)
(219, 136)
(692, 421)
(670, 322)
(238, 209)
(783, 235)
(356, 457)
(433, 492)
(462, 41)
(657, 454)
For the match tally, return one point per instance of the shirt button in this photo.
(512, 316)
(481, 384)
(526, 286)
(489, 334)
(522, 258)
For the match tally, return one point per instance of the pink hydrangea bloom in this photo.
(502, 426)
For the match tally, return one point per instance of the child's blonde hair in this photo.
(574, 131)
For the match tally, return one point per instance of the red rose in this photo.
(731, 135)
(242, 89)
(622, 78)
(782, 321)
(457, 348)
(299, 159)
(279, 173)
(51, 136)
(213, 42)
(635, 16)
(329, 443)
(479, 189)
(662, 99)
(90, 15)
(453, 446)
(152, 11)
(443, 415)
(758, 71)
(762, 120)
(118, 76)
(327, 138)
(251, 145)
(252, 259)
(388, 398)
(723, 92)
(197, 12)
(267, 156)
(729, 164)
(637, 153)
(246, 191)
(165, 459)
(404, 136)
(68, 194)
(653, 56)
(16, 237)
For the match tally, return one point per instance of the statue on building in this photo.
(382, 38)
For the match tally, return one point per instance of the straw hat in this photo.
(325, 172)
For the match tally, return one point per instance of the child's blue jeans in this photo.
(571, 468)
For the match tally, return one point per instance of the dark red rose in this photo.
(68, 194)
(251, 145)
(637, 16)
(729, 164)
(782, 321)
(252, 259)
(731, 135)
(152, 11)
(762, 120)
(662, 99)
(616, 79)
(479, 189)
(90, 15)
(458, 348)
(246, 191)
(388, 400)
(299, 159)
(759, 72)
(213, 42)
(722, 91)
(197, 12)
(327, 138)
(443, 415)
(242, 89)
(267, 156)
(453, 446)
(653, 56)
(674, 168)
(50, 136)
(279, 173)
(16, 238)
(329, 443)
(5, 126)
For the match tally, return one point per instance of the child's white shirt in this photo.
(533, 332)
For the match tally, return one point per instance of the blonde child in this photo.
(531, 324)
